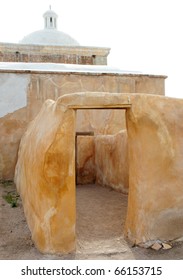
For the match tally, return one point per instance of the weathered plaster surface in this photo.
(155, 205)
(12, 127)
(35, 83)
(45, 171)
(103, 159)
(155, 133)
(111, 161)
(13, 119)
(45, 178)
(85, 160)
(13, 92)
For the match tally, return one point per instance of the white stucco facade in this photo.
(13, 92)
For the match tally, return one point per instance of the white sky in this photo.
(144, 35)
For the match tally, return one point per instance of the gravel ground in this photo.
(101, 215)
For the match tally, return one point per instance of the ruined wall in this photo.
(155, 149)
(44, 86)
(85, 160)
(13, 119)
(103, 159)
(31, 88)
(111, 161)
(47, 150)
(47, 156)
(155, 202)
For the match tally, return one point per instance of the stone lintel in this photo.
(82, 107)
(94, 100)
(84, 133)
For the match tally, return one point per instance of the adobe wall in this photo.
(51, 217)
(85, 160)
(24, 92)
(103, 159)
(13, 119)
(155, 201)
(47, 150)
(155, 148)
(111, 161)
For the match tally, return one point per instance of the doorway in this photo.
(101, 205)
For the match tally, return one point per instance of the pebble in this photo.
(166, 246)
(156, 246)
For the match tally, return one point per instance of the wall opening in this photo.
(101, 195)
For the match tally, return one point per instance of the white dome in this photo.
(49, 37)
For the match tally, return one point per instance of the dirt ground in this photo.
(100, 220)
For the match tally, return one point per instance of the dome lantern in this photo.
(49, 35)
(50, 19)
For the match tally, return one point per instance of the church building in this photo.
(52, 45)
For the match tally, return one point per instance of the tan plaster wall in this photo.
(13, 119)
(103, 159)
(41, 85)
(155, 204)
(149, 85)
(45, 178)
(12, 128)
(45, 171)
(111, 161)
(85, 160)
(45, 86)
(155, 149)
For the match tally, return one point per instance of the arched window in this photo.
(51, 21)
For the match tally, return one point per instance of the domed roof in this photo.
(49, 35)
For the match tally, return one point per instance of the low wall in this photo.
(85, 160)
(103, 159)
(111, 161)
(47, 151)
(155, 149)
(155, 201)
(25, 87)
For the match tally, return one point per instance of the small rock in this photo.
(166, 246)
(146, 245)
(156, 246)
